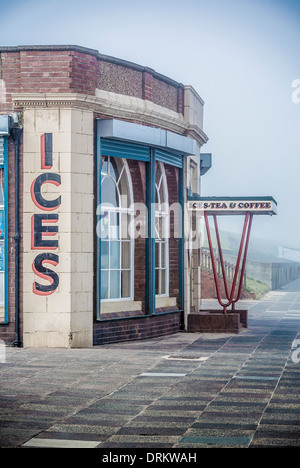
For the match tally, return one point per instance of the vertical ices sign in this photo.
(44, 227)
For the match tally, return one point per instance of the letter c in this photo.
(36, 195)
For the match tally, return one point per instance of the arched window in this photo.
(116, 240)
(161, 233)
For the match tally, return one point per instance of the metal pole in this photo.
(150, 241)
(244, 262)
(181, 244)
(221, 257)
(239, 258)
(213, 263)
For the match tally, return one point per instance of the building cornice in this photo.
(114, 105)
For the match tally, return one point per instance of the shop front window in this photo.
(116, 277)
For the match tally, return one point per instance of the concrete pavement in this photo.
(182, 391)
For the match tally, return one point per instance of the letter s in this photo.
(296, 93)
(45, 273)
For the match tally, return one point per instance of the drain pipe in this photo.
(16, 132)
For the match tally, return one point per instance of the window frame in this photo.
(4, 206)
(119, 210)
(164, 216)
(116, 142)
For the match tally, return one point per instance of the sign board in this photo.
(5, 125)
(233, 205)
(1, 256)
(1, 223)
(1, 151)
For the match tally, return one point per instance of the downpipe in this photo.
(16, 134)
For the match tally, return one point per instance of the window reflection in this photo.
(161, 233)
(116, 244)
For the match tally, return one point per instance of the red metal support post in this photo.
(221, 256)
(246, 229)
(244, 262)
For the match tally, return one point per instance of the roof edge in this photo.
(94, 53)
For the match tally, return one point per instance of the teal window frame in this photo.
(5, 191)
(149, 154)
(118, 212)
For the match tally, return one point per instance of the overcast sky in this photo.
(241, 56)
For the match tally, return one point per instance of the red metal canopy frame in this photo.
(211, 206)
(243, 250)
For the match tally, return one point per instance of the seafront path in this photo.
(188, 390)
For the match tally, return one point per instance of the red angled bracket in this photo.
(231, 301)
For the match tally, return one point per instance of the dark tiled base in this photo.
(215, 321)
(136, 328)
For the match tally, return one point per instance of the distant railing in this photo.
(206, 264)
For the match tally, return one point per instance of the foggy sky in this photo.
(241, 56)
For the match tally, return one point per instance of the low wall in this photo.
(273, 274)
(283, 273)
(136, 328)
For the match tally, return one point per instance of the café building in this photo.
(97, 157)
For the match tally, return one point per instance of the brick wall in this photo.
(10, 74)
(83, 73)
(55, 69)
(45, 71)
(136, 328)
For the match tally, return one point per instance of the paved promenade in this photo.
(181, 391)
